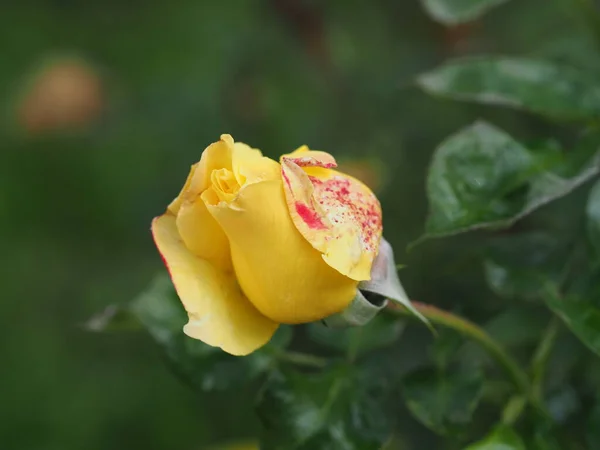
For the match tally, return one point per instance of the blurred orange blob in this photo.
(64, 94)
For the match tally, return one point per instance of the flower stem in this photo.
(472, 331)
(540, 358)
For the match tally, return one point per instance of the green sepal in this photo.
(373, 295)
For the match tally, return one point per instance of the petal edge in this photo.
(220, 315)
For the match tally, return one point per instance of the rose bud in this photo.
(251, 243)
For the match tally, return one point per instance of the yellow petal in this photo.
(250, 166)
(174, 206)
(215, 156)
(218, 312)
(278, 270)
(197, 228)
(202, 235)
(247, 165)
(337, 214)
(225, 184)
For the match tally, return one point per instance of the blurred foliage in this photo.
(105, 106)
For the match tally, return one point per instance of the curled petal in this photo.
(219, 314)
(224, 166)
(202, 235)
(304, 157)
(337, 214)
(175, 205)
(215, 156)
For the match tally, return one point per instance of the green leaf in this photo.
(541, 87)
(381, 331)
(542, 432)
(336, 409)
(502, 438)
(585, 285)
(446, 346)
(470, 179)
(481, 178)
(453, 12)
(517, 265)
(442, 401)
(593, 217)
(207, 368)
(543, 441)
(516, 327)
(581, 317)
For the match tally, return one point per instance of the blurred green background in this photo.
(106, 105)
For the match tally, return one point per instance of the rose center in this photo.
(224, 184)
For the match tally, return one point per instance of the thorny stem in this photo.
(439, 317)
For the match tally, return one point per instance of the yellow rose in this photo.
(251, 243)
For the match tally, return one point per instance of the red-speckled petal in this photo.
(336, 214)
(304, 157)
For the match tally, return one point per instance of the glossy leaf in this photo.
(516, 265)
(335, 409)
(453, 12)
(442, 401)
(581, 317)
(593, 216)
(502, 438)
(541, 87)
(482, 178)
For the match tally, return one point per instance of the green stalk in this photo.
(540, 358)
(468, 329)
